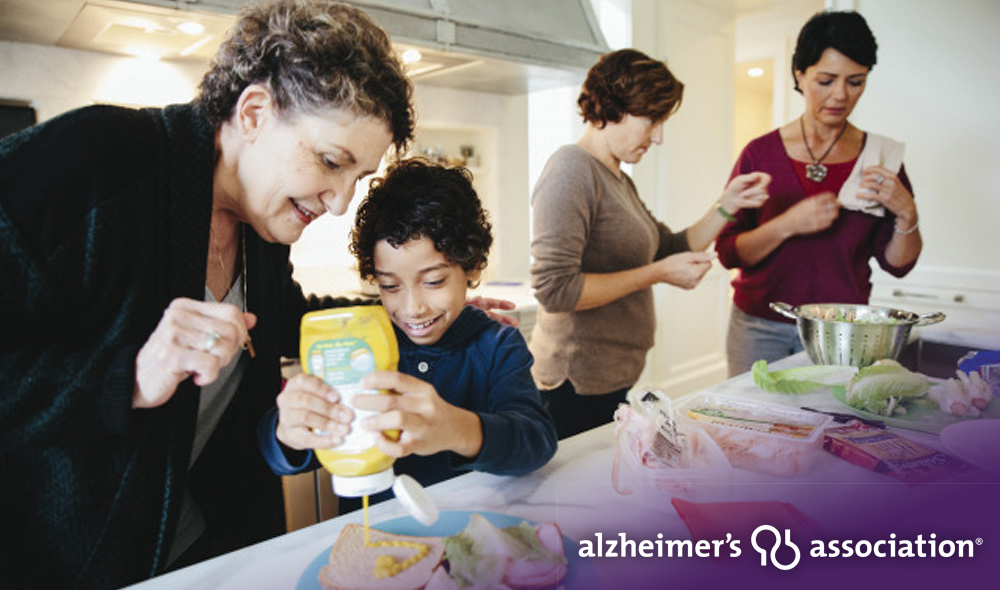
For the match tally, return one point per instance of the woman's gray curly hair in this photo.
(313, 55)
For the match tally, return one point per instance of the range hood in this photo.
(499, 46)
(558, 33)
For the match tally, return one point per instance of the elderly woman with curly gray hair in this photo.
(148, 294)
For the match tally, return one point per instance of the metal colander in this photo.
(855, 335)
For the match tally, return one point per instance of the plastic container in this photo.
(341, 346)
(761, 437)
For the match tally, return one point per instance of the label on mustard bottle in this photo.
(341, 346)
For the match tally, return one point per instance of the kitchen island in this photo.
(839, 500)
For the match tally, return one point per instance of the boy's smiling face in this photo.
(422, 291)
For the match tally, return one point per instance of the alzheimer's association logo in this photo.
(773, 552)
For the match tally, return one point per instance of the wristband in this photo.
(729, 216)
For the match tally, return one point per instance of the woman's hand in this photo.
(193, 338)
(811, 215)
(427, 423)
(488, 304)
(684, 270)
(885, 189)
(310, 415)
(746, 191)
(743, 191)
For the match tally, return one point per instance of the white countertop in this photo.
(574, 490)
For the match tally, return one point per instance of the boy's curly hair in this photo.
(417, 198)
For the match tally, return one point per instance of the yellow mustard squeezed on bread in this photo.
(341, 346)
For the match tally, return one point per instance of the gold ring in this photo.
(213, 339)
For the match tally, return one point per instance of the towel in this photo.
(878, 151)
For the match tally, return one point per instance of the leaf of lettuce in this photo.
(799, 379)
(881, 387)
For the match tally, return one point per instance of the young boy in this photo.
(467, 399)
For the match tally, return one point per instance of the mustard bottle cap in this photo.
(415, 499)
(363, 485)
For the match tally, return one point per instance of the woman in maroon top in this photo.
(805, 245)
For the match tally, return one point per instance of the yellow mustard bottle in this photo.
(341, 346)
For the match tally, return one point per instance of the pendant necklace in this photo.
(816, 171)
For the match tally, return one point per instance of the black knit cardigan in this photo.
(104, 219)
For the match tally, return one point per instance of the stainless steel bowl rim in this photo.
(899, 316)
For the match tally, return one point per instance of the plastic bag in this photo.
(656, 455)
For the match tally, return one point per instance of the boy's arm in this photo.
(519, 435)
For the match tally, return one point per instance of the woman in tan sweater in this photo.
(597, 250)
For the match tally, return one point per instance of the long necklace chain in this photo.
(248, 345)
(816, 171)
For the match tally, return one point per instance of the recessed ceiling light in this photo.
(411, 56)
(191, 27)
(755, 72)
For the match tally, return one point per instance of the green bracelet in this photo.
(729, 216)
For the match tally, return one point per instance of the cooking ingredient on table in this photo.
(800, 379)
(767, 438)
(652, 447)
(355, 564)
(341, 346)
(855, 335)
(485, 557)
(966, 395)
(480, 557)
(884, 387)
(882, 451)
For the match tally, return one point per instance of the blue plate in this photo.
(579, 570)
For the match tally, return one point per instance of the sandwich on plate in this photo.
(481, 557)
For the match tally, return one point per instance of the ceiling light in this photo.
(143, 52)
(755, 72)
(191, 27)
(411, 56)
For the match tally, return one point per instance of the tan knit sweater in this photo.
(586, 220)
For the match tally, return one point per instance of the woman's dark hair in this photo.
(417, 198)
(629, 82)
(313, 55)
(846, 31)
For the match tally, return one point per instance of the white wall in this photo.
(55, 80)
(322, 261)
(681, 179)
(934, 88)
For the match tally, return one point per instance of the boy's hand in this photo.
(310, 415)
(427, 423)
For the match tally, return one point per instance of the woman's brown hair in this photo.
(630, 82)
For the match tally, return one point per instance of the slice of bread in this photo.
(352, 564)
